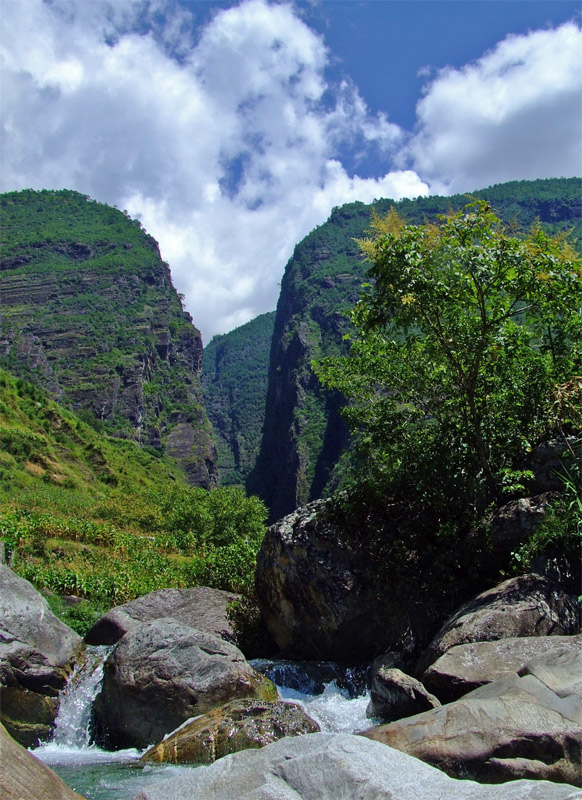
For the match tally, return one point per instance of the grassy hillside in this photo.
(98, 517)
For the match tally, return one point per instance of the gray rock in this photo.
(394, 695)
(547, 462)
(37, 650)
(507, 528)
(29, 717)
(239, 725)
(560, 669)
(162, 674)
(316, 591)
(24, 777)
(468, 666)
(37, 654)
(336, 767)
(200, 607)
(514, 727)
(529, 605)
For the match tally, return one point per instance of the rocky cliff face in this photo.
(303, 435)
(234, 380)
(89, 313)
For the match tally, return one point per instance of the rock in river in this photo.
(37, 654)
(323, 766)
(199, 607)
(239, 725)
(161, 674)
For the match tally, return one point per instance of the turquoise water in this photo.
(100, 775)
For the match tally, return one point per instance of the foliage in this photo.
(465, 341)
(97, 517)
(80, 616)
(559, 535)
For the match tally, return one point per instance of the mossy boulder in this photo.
(239, 725)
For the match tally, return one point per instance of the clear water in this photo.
(335, 699)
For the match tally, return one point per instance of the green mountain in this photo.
(304, 436)
(89, 313)
(234, 380)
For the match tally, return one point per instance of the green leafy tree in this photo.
(466, 353)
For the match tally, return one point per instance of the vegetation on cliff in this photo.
(98, 517)
(90, 314)
(304, 436)
(234, 380)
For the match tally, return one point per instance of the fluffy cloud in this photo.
(227, 142)
(225, 147)
(515, 113)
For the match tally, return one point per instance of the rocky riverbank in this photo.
(495, 697)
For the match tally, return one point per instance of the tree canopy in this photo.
(467, 352)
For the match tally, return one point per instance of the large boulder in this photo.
(200, 607)
(529, 605)
(317, 591)
(238, 725)
(24, 777)
(468, 666)
(394, 695)
(519, 726)
(162, 674)
(328, 766)
(37, 655)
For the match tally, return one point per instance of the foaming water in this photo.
(336, 698)
(334, 710)
(92, 772)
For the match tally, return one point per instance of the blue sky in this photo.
(232, 129)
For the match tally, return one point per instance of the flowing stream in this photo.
(334, 697)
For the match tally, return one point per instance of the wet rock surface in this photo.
(239, 725)
(24, 777)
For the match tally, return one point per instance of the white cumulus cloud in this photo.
(514, 114)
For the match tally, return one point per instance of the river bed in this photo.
(338, 704)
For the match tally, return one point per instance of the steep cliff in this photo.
(303, 435)
(234, 380)
(89, 312)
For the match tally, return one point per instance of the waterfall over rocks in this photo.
(74, 719)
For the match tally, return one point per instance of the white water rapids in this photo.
(102, 775)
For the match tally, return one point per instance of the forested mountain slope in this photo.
(89, 313)
(234, 380)
(303, 435)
